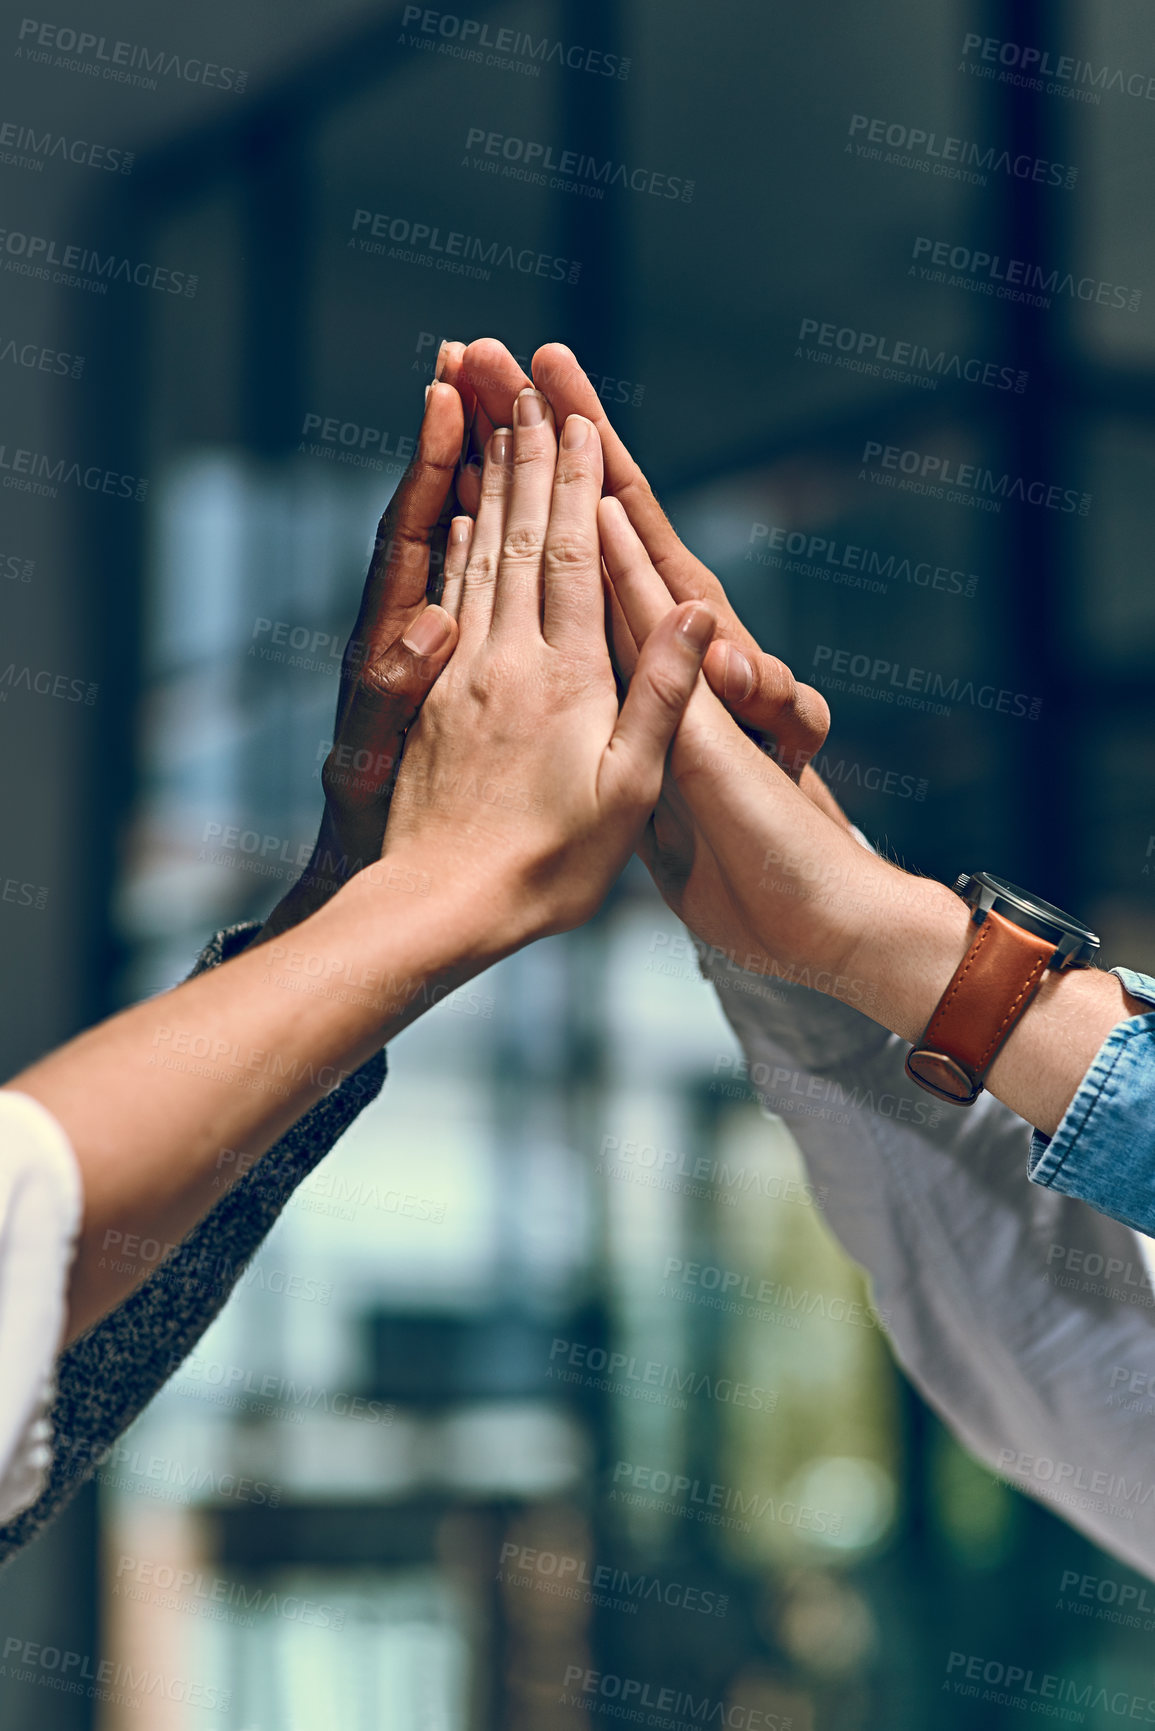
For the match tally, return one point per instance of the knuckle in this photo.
(330, 780)
(667, 688)
(777, 682)
(384, 680)
(494, 481)
(522, 541)
(529, 451)
(492, 674)
(568, 553)
(814, 709)
(348, 788)
(481, 571)
(428, 466)
(576, 470)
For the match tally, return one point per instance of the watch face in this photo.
(1024, 908)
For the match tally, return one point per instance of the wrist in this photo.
(441, 915)
(329, 870)
(914, 934)
(384, 949)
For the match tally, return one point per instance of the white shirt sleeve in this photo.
(40, 1207)
(1025, 1318)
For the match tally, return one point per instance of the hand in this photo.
(758, 688)
(521, 780)
(398, 647)
(787, 719)
(770, 879)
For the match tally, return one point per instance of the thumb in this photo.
(762, 692)
(390, 689)
(660, 689)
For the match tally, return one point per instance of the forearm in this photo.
(883, 940)
(230, 1060)
(911, 948)
(105, 1379)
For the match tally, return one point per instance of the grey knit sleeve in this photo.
(107, 1376)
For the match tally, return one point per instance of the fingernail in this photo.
(442, 357)
(428, 388)
(738, 681)
(460, 530)
(428, 633)
(697, 627)
(529, 409)
(576, 432)
(502, 444)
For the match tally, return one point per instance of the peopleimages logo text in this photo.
(940, 153)
(535, 161)
(24, 147)
(452, 250)
(122, 62)
(508, 49)
(83, 267)
(586, 1690)
(1012, 278)
(36, 472)
(872, 350)
(847, 562)
(940, 477)
(1035, 64)
(1019, 1686)
(888, 677)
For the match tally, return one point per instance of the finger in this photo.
(753, 685)
(399, 568)
(496, 378)
(625, 649)
(477, 436)
(646, 602)
(794, 719)
(359, 771)
(456, 559)
(469, 474)
(663, 684)
(450, 370)
(558, 372)
(485, 546)
(574, 617)
(517, 602)
(640, 592)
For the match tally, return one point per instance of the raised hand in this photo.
(521, 778)
(750, 865)
(787, 720)
(398, 647)
(758, 688)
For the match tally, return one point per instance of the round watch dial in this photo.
(1025, 908)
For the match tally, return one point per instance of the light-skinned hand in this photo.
(521, 777)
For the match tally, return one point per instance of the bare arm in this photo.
(151, 1098)
(144, 1168)
(521, 795)
(812, 904)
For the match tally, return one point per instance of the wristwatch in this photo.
(1019, 937)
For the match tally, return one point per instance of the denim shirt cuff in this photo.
(1100, 1151)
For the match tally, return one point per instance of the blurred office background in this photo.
(383, 1493)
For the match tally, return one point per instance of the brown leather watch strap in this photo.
(988, 992)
